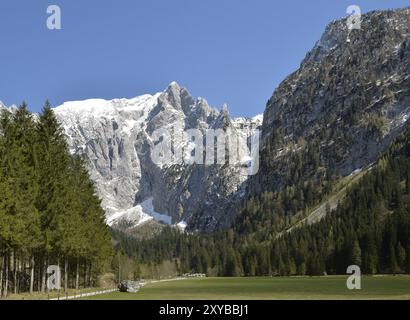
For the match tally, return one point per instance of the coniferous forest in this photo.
(49, 212)
(369, 228)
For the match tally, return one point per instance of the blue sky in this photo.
(233, 51)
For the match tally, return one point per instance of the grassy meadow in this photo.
(269, 288)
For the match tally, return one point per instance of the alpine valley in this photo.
(333, 185)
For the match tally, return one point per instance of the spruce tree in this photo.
(23, 173)
(53, 158)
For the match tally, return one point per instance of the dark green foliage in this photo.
(49, 212)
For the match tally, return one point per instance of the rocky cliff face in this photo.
(118, 137)
(345, 104)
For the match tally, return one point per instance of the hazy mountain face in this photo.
(118, 139)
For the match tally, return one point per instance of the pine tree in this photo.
(53, 158)
(23, 174)
(401, 256)
(356, 254)
(231, 267)
(49, 211)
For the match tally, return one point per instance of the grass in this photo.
(267, 288)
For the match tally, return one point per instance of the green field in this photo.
(330, 287)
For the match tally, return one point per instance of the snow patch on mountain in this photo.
(102, 107)
(182, 225)
(138, 215)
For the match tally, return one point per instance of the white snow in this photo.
(182, 225)
(405, 117)
(129, 125)
(101, 106)
(355, 172)
(258, 118)
(139, 214)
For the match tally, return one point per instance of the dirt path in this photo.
(83, 295)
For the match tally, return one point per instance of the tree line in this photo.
(369, 228)
(49, 211)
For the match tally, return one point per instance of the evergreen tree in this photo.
(356, 254)
(49, 210)
(53, 159)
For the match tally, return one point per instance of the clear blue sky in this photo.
(233, 51)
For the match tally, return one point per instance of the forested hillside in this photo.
(49, 213)
(370, 228)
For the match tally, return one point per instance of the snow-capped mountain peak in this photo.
(115, 136)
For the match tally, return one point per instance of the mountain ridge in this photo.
(115, 137)
(346, 102)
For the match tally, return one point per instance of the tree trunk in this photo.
(77, 276)
(59, 280)
(6, 276)
(58, 265)
(39, 278)
(119, 268)
(1, 276)
(65, 274)
(19, 269)
(15, 272)
(85, 275)
(32, 275)
(43, 276)
(91, 276)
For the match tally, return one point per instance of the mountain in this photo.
(117, 139)
(341, 109)
(328, 123)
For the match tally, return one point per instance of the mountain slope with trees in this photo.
(369, 228)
